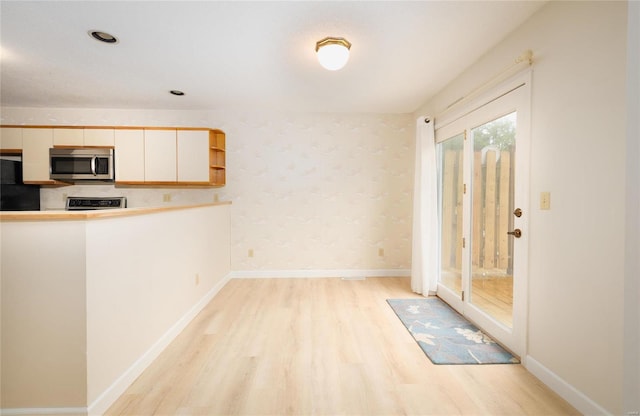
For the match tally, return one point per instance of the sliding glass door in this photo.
(492, 214)
(450, 168)
(483, 204)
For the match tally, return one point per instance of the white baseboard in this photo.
(42, 411)
(576, 398)
(257, 274)
(111, 394)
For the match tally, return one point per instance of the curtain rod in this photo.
(524, 57)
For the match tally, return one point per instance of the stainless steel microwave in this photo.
(86, 164)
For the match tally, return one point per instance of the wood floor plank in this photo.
(320, 347)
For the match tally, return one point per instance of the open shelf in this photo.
(217, 158)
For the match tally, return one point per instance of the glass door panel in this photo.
(450, 178)
(492, 201)
(483, 205)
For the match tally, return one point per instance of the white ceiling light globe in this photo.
(333, 53)
(333, 57)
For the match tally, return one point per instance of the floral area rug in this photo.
(445, 336)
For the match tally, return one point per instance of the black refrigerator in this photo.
(15, 195)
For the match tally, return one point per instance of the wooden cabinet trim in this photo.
(169, 184)
(66, 146)
(47, 183)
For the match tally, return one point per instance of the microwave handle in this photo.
(93, 165)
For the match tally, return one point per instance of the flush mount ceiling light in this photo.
(176, 92)
(333, 53)
(103, 36)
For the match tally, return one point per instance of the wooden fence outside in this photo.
(491, 247)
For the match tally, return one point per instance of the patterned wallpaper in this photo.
(309, 191)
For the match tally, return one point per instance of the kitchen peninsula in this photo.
(90, 298)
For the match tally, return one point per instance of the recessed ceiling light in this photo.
(103, 36)
(176, 92)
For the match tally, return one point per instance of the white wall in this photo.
(43, 315)
(632, 257)
(159, 266)
(309, 191)
(578, 138)
(321, 191)
(88, 304)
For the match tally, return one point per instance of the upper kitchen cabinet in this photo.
(144, 156)
(159, 156)
(193, 156)
(170, 157)
(129, 160)
(99, 137)
(68, 137)
(11, 140)
(83, 137)
(36, 143)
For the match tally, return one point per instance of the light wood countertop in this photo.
(62, 215)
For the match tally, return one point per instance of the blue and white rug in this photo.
(445, 336)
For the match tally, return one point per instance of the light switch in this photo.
(545, 200)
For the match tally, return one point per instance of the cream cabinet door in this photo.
(10, 138)
(68, 137)
(129, 155)
(99, 137)
(193, 156)
(160, 156)
(35, 154)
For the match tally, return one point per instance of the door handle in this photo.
(517, 233)
(93, 165)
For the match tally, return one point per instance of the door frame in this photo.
(488, 106)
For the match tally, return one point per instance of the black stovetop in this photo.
(75, 203)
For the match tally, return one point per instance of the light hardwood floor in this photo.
(493, 294)
(320, 347)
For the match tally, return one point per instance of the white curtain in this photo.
(424, 262)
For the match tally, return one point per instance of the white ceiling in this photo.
(243, 54)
